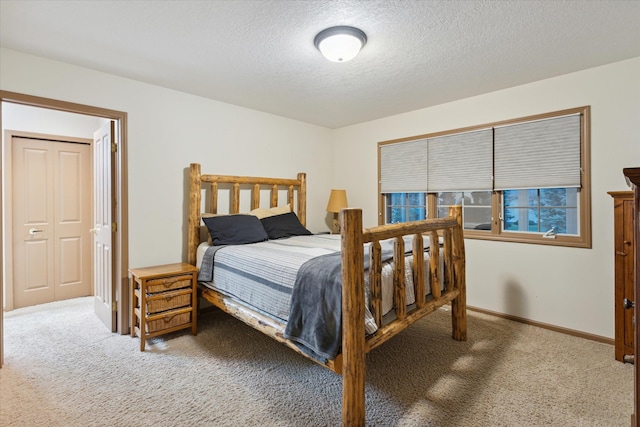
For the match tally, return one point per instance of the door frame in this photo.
(121, 247)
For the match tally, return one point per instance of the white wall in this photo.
(167, 130)
(568, 287)
(42, 120)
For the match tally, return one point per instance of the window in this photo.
(476, 208)
(522, 180)
(403, 207)
(550, 210)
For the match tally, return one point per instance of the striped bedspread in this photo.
(263, 274)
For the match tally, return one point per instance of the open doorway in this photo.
(117, 171)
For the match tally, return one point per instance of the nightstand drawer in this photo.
(164, 301)
(168, 283)
(169, 320)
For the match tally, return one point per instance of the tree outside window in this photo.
(403, 207)
(543, 210)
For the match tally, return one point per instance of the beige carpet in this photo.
(62, 368)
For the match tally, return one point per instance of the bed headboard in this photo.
(296, 190)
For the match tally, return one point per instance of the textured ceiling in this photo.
(260, 54)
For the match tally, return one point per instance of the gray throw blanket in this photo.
(315, 319)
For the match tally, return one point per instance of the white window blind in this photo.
(539, 154)
(403, 167)
(461, 162)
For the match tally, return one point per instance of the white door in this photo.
(51, 217)
(103, 228)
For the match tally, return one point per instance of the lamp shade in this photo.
(340, 44)
(337, 201)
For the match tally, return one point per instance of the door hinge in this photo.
(114, 227)
(114, 306)
(114, 147)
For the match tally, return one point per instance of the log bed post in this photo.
(302, 198)
(195, 207)
(353, 336)
(459, 304)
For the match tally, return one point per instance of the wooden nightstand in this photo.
(163, 300)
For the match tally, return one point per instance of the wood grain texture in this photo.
(399, 282)
(164, 287)
(255, 197)
(213, 207)
(624, 259)
(353, 335)
(458, 305)
(375, 281)
(632, 175)
(418, 270)
(434, 266)
(195, 197)
(302, 198)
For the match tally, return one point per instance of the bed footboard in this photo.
(354, 343)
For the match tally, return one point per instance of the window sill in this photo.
(536, 239)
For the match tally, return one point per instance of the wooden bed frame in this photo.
(351, 362)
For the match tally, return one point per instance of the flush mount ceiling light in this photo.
(340, 44)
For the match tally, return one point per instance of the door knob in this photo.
(33, 231)
(626, 303)
(93, 230)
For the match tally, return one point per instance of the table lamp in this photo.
(337, 202)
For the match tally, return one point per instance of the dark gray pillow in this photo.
(285, 225)
(235, 229)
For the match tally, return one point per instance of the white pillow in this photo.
(264, 213)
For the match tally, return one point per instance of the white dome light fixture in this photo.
(340, 44)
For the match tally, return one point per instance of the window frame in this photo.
(582, 240)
